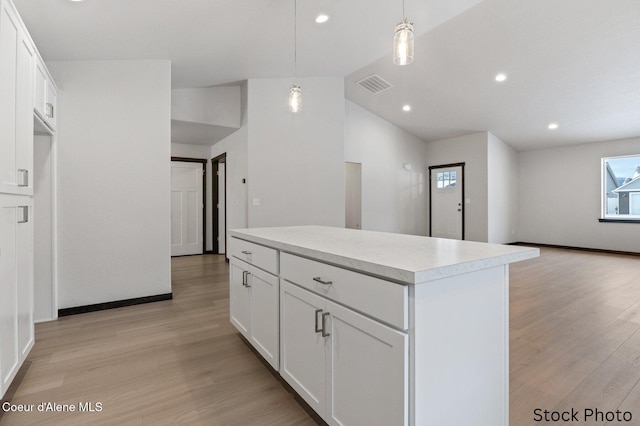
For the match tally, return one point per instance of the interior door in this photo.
(186, 208)
(353, 195)
(447, 208)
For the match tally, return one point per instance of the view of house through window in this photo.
(621, 187)
(446, 179)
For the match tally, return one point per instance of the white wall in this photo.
(560, 197)
(393, 199)
(296, 161)
(502, 188)
(201, 152)
(235, 146)
(113, 170)
(218, 106)
(471, 150)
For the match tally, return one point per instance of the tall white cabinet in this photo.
(19, 87)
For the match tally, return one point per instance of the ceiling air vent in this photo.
(375, 84)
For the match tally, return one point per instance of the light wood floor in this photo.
(575, 343)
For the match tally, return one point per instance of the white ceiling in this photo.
(575, 62)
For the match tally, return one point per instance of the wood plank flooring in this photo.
(575, 343)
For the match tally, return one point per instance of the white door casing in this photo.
(447, 204)
(222, 197)
(186, 208)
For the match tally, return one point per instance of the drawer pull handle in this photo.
(246, 252)
(245, 278)
(324, 325)
(317, 328)
(321, 281)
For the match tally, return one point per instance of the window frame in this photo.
(604, 216)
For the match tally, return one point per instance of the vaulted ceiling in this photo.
(572, 62)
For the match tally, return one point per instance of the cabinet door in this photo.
(263, 288)
(40, 90)
(239, 297)
(302, 346)
(9, 39)
(9, 353)
(367, 371)
(51, 112)
(24, 276)
(24, 116)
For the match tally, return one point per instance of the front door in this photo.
(446, 208)
(186, 208)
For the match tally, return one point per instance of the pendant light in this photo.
(295, 92)
(403, 41)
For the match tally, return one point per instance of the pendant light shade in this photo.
(295, 98)
(295, 93)
(403, 43)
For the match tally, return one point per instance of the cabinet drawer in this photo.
(263, 257)
(380, 299)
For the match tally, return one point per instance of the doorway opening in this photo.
(353, 195)
(188, 206)
(446, 201)
(45, 288)
(219, 197)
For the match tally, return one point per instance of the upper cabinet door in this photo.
(51, 112)
(9, 41)
(40, 90)
(45, 95)
(16, 104)
(24, 115)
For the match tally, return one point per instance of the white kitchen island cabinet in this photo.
(388, 329)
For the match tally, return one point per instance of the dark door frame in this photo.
(215, 166)
(204, 195)
(446, 166)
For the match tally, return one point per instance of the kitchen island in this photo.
(378, 328)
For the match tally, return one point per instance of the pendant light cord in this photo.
(295, 38)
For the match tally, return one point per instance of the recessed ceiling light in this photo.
(406, 108)
(553, 126)
(501, 77)
(322, 18)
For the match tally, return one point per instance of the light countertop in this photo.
(404, 258)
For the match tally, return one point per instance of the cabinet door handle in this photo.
(321, 281)
(324, 325)
(318, 329)
(49, 112)
(245, 278)
(25, 214)
(24, 177)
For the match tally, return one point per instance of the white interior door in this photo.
(446, 202)
(186, 208)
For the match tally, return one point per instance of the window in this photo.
(446, 179)
(621, 188)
